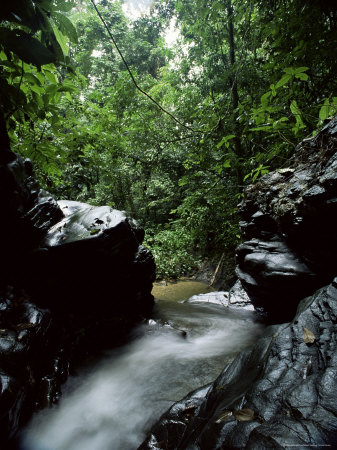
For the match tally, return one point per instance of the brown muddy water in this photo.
(179, 290)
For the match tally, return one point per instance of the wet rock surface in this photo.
(289, 221)
(281, 393)
(92, 255)
(76, 280)
(236, 297)
(29, 356)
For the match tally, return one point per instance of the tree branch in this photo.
(134, 80)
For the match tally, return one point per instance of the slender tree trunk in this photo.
(235, 94)
(6, 155)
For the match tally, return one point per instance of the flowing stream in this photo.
(112, 405)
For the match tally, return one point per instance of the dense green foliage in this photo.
(246, 79)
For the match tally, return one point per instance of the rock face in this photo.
(289, 222)
(282, 393)
(75, 280)
(92, 255)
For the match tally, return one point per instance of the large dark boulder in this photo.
(91, 257)
(70, 255)
(76, 279)
(289, 222)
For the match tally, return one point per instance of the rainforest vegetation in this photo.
(112, 113)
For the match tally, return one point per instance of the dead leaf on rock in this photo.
(224, 416)
(244, 415)
(189, 411)
(24, 326)
(308, 336)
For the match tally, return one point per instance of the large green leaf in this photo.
(62, 41)
(65, 26)
(64, 5)
(326, 110)
(27, 48)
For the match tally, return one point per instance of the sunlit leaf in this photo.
(65, 26)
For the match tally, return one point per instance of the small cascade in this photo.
(112, 405)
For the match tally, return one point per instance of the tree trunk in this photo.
(5, 149)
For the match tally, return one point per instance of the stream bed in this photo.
(112, 405)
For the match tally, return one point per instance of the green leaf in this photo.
(27, 48)
(36, 89)
(69, 97)
(32, 78)
(51, 76)
(301, 69)
(295, 109)
(51, 89)
(183, 181)
(289, 70)
(280, 121)
(66, 27)
(283, 81)
(324, 112)
(302, 76)
(225, 140)
(61, 39)
(265, 98)
(298, 116)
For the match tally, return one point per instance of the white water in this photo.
(112, 407)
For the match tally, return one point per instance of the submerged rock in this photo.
(281, 393)
(236, 297)
(216, 298)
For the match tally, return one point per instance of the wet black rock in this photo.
(27, 352)
(289, 222)
(236, 297)
(76, 280)
(274, 277)
(280, 394)
(92, 260)
(27, 211)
